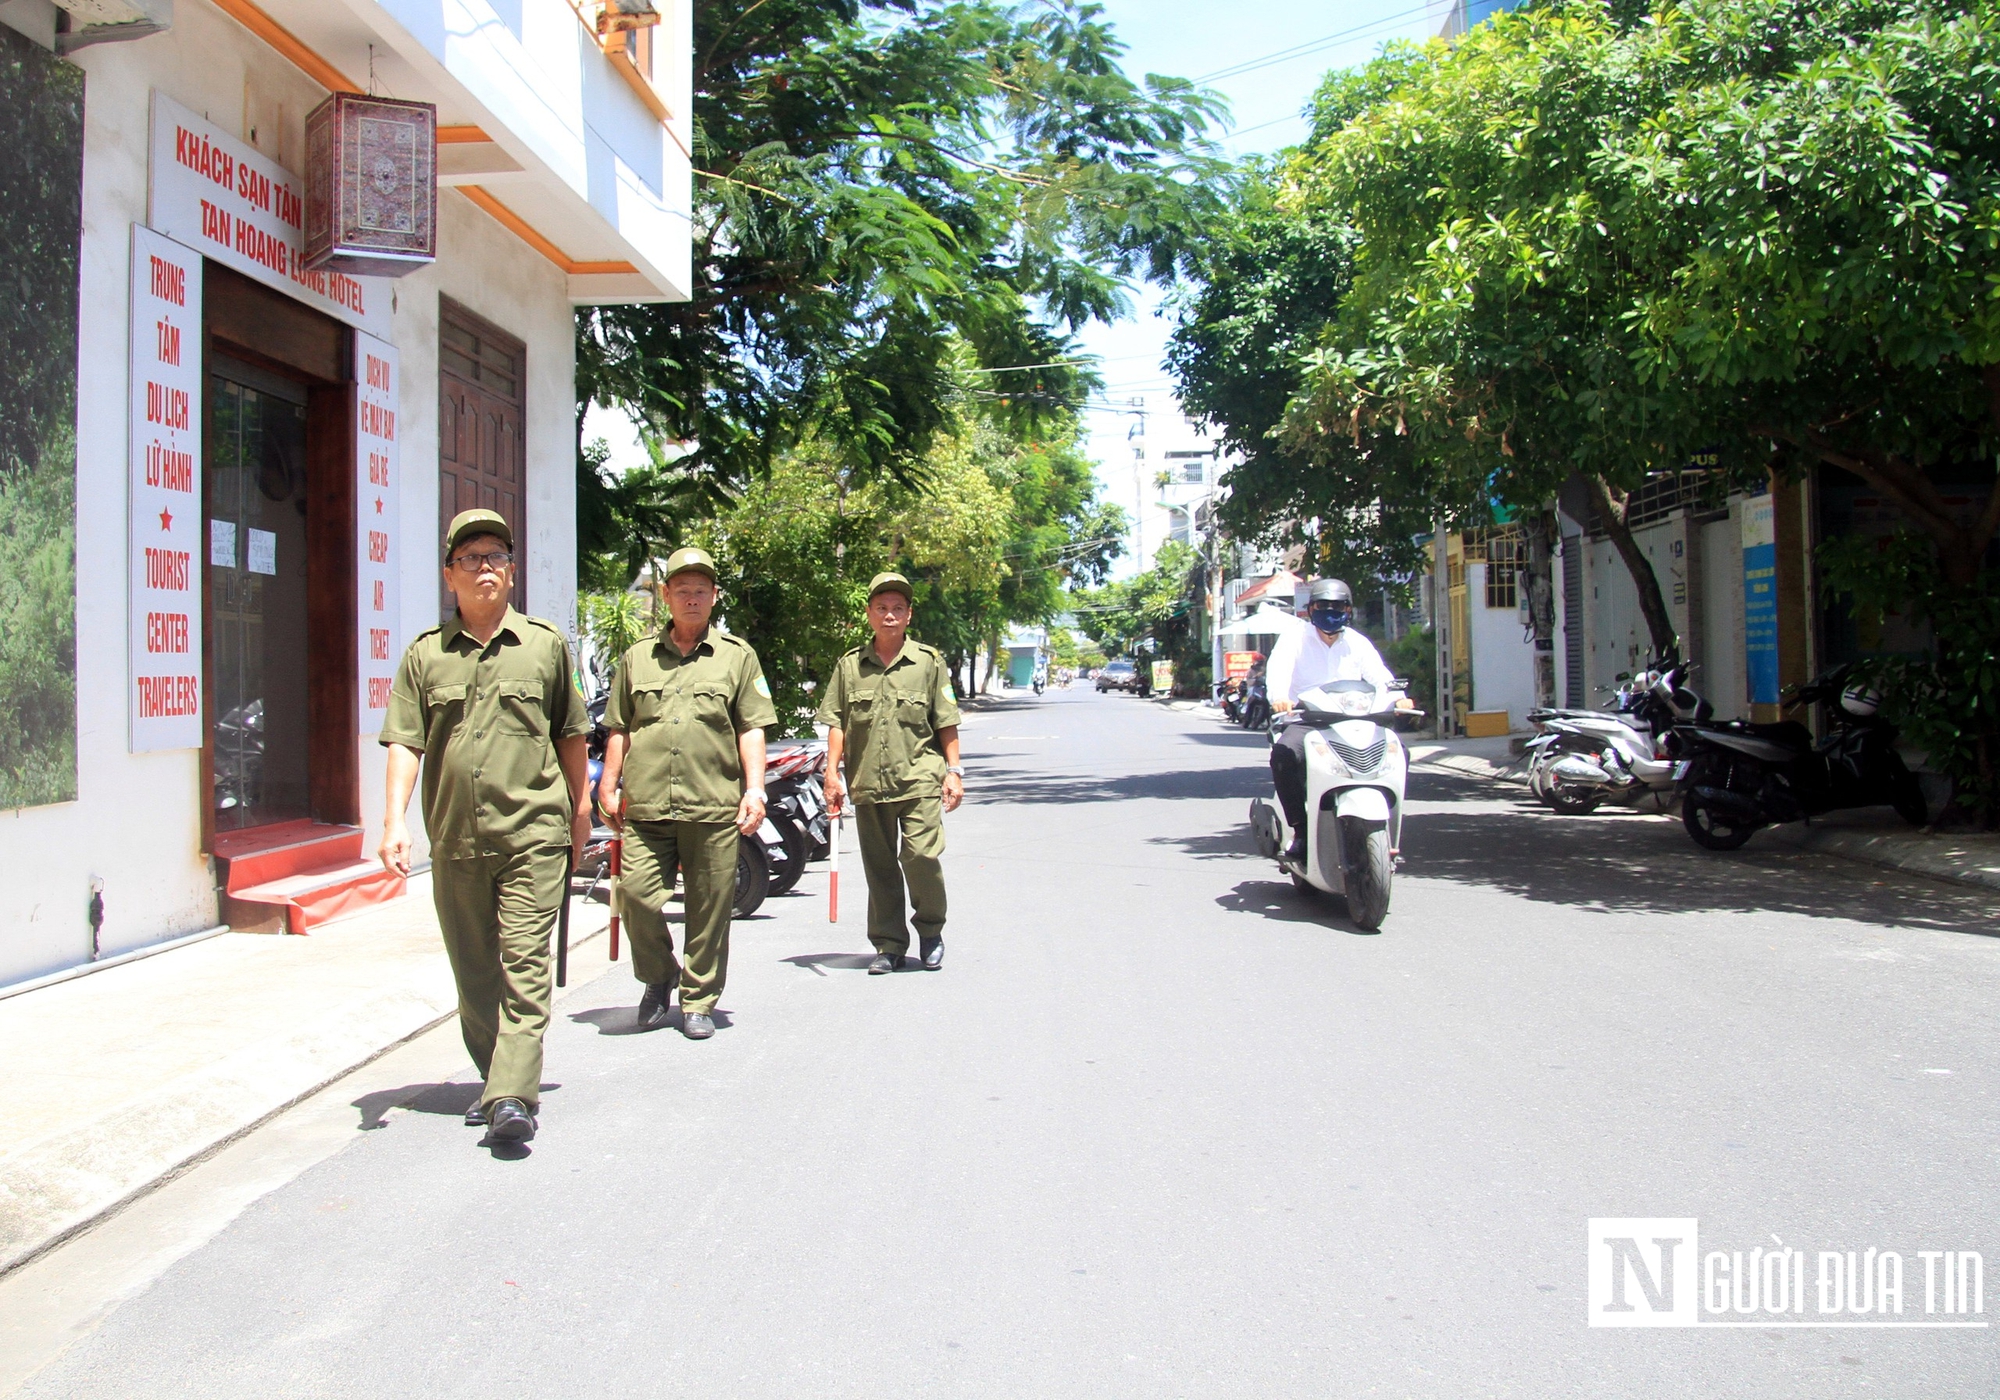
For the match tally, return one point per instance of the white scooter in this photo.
(1355, 771)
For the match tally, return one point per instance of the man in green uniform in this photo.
(890, 714)
(687, 715)
(488, 704)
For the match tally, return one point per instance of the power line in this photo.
(1310, 46)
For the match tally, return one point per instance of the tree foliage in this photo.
(885, 189)
(1153, 616)
(1579, 243)
(989, 538)
(41, 227)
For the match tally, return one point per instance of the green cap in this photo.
(468, 523)
(891, 583)
(681, 560)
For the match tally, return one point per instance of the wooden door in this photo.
(481, 458)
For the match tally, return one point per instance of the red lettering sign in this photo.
(381, 599)
(378, 547)
(378, 692)
(169, 282)
(166, 632)
(164, 696)
(166, 406)
(167, 568)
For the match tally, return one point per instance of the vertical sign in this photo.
(164, 495)
(1760, 599)
(378, 479)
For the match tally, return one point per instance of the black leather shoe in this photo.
(885, 962)
(653, 1005)
(697, 1025)
(933, 951)
(1297, 850)
(510, 1121)
(475, 1117)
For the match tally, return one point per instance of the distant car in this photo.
(1118, 675)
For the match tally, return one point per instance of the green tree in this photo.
(883, 188)
(1160, 606)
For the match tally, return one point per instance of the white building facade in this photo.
(318, 428)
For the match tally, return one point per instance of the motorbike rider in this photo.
(1327, 650)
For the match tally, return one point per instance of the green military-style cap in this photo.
(700, 560)
(891, 583)
(468, 523)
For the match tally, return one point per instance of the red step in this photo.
(295, 876)
(263, 853)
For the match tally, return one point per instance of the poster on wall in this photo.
(224, 198)
(1760, 600)
(41, 227)
(378, 479)
(163, 496)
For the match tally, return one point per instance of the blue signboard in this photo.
(1760, 600)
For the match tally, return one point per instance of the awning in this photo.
(1266, 622)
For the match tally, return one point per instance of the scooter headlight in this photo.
(1317, 745)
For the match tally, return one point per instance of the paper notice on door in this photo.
(263, 552)
(222, 543)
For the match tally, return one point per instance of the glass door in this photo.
(255, 542)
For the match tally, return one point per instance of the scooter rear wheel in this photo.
(753, 876)
(1711, 827)
(1567, 803)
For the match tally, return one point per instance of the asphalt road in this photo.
(1164, 1127)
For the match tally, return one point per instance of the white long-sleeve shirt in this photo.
(1304, 659)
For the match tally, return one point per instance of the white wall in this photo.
(137, 818)
(1616, 635)
(1722, 675)
(1503, 665)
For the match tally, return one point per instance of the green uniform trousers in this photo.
(919, 822)
(497, 913)
(705, 854)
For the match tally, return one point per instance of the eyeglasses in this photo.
(474, 563)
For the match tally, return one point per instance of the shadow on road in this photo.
(1287, 903)
(1230, 843)
(1231, 738)
(1618, 862)
(1023, 785)
(448, 1100)
(820, 962)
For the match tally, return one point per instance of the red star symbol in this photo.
(378, 505)
(166, 519)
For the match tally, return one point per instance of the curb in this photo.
(1916, 853)
(73, 1181)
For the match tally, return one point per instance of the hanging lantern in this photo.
(371, 186)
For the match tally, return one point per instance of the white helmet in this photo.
(1861, 701)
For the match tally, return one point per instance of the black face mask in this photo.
(1332, 617)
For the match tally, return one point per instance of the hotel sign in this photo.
(378, 480)
(228, 202)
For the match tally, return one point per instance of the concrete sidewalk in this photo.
(1874, 834)
(137, 1071)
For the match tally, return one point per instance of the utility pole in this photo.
(1136, 435)
(1441, 626)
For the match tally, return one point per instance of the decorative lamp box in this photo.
(371, 186)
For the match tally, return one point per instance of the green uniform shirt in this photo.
(890, 716)
(684, 714)
(486, 719)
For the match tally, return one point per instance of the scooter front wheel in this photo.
(1370, 868)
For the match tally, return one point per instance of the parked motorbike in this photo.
(1736, 777)
(1355, 772)
(1584, 758)
(796, 809)
(1254, 710)
(753, 861)
(1229, 695)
